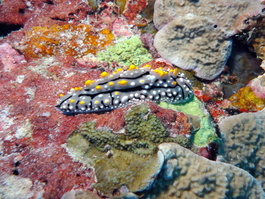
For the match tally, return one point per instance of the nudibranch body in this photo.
(121, 88)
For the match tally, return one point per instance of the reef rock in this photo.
(196, 35)
(244, 142)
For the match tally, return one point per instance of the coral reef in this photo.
(205, 133)
(73, 40)
(187, 175)
(195, 35)
(125, 53)
(127, 158)
(244, 142)
(49, 46)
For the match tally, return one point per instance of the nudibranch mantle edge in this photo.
(121, 88)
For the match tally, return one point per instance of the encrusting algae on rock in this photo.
(143, 131)
(206, 132)
(73, 40)
(246, 100)
(131, 157)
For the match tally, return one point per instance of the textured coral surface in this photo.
(48, 47)
(196, 35)
(244, 142)
(187, 175)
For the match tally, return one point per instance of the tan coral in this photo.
(196, 34)
(187, 175)
(244, 142)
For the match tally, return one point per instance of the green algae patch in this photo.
(128, 159)
(126, 53)
(206, 133)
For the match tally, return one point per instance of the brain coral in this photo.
(187, 175)
(244, 142)
(195, 35)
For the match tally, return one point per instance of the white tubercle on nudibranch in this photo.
(121, 88)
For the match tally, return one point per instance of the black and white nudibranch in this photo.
(121, 88)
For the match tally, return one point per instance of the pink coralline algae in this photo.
(10, 57)
(196, 35)
(258, 86)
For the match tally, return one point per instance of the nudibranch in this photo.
(121, 88)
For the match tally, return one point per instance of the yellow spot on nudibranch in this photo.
(174, 83)
(98, 87)
(72, 101)
(78, 88)
(160, 72)
(104, 74)
(96, 102)
(60, 95)
(106, 101)
(175, 71)
(147, 66)
(132, 67)
(118, 70)
(122, 82)
(82, 102)
(111, 83)
(116, 93)
(89, 82)
(142, 81)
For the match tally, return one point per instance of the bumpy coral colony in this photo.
(123, 87)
